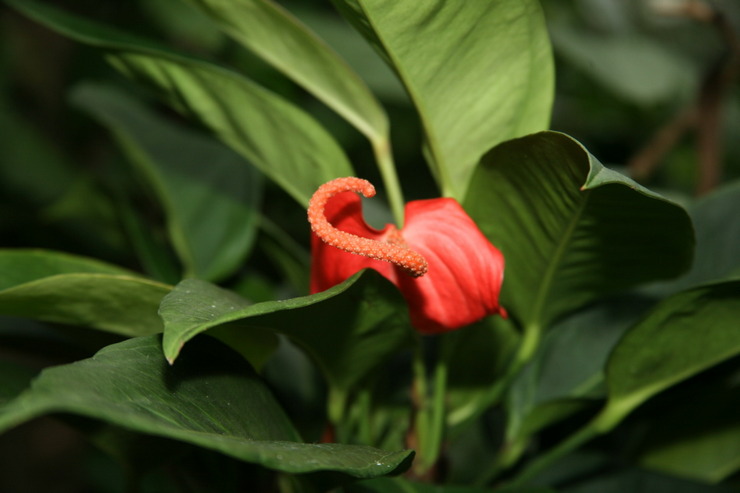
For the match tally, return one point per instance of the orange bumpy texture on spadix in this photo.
(446, 269)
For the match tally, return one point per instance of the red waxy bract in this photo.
(446, 269)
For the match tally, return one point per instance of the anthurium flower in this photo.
(446, 269)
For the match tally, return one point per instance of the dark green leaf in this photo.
(211, 398)
(479, 73)
(636, 480)
(717, 241)
(281, 40)
(14, 378)
(348, 329)
(695, 432)
(208, 192)
(252, 120)
(686, 334)
(570, 229)
(62, 288)
(399, 485)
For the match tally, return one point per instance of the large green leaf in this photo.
(348, 329)
(479, 73)
(570, 229)
(211, 398)
(276, 136)
(62, 288)
(208, 192)
(272, 33)
(686, 334)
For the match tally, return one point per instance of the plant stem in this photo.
(384, 158)
(430, 412)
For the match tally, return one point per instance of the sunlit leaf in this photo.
(479, 73)
(272, 33)
(211, 398)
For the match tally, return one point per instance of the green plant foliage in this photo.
(131, 385)
(347, 329)
(394, 485)
(247, 117)
(568, 226)
(281, 40)
(210, 194)
(686, 334)
(479, 73)
(190, 156)
(62, 288)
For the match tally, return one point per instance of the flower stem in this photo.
(430, 412)
(384, 158)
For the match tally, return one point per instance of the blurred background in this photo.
(650, 87)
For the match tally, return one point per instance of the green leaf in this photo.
(686, 334)
(266, 29)
(695, 432)
(569, 364)
(209, 193)
(649, 74)
(14, 379)
(211, 398)
(570, 229)
(479, 73)
(399, 485)
(348, 329)
(252, 120)
(476, 358)
(717, 241)
(62, 288)
(637, 480)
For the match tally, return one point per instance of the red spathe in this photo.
(465, 272)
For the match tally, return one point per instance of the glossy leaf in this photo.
(570, 229)
(686, 334)
(479, 73)
(252, 120)
(211, 398)
(62, 288)
(209, 193)
(348, 329)
(283, 41)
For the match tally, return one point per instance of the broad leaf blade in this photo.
(686, 334)
(252, 120)
(479, 73)
(209, 193)
(19, 266)
(211, 398)
(62, 288)
(571, 230)
(280, 39)
(348, 329)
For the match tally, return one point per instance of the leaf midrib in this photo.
(536, 322)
